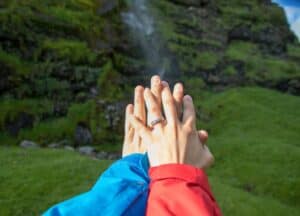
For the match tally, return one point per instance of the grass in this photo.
(255, 138)
(253, 135)
(259, 67)
(33, 180)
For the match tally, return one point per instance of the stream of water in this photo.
(142, 26)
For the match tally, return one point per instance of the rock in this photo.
(107, 6)
(22, 120)
(83, 135)
(113, 114)
(87, 150)
(113, 156)
(69, 148)
(65, 142)
(28, 144)
(240, 32)
(54, 145)
(102, 155)
(60, 108)
(94, 92)
(213, 79)
(192, 2)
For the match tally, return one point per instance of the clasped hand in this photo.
(167, 130)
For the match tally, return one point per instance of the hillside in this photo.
(254, 139)
(70, 65)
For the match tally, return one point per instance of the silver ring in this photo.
(156, 121)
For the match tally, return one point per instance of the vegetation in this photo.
(253, 135)
(45, 177)
(70, 62)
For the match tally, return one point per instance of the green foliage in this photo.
(240, 50)
(10, 108)
(250, 12)
(43, 176)
(251, 134)
(206, 60)
(15, 64)
(193, 85)
(49, 131)
(75, 51)
(294, 51)
(109, 83)
(271, 69)
(261, 67)
(230, 71)
(60, 128)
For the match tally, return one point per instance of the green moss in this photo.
(240, 50)
(230, 71)
(76, 51)
(49, 131)
(271, 69)
(10, 108)
(206, 60)
(15, 64)
(294, 51)
(193, 85)
(109, 83)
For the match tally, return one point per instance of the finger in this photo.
(154, 111)
(129, 110)
(139, 104)
(178, 97)
(203, 135)
(130, 134)
(189, 114)
(169, 106)
(156, 88)
(140, 128)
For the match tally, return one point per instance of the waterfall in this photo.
(142, 26)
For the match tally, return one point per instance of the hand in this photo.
(173, 141)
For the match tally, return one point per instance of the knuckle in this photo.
(188, 129)
(154, 109)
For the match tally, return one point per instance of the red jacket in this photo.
(182, 190)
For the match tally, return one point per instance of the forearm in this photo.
(180, 190)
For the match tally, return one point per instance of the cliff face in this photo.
(64, 64)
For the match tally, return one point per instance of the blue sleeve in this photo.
(121, 190)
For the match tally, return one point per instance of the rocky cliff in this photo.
(69, 66)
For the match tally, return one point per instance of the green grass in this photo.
(259, 67)
(33, 180)
(254, 135)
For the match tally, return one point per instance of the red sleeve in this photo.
(178, 189)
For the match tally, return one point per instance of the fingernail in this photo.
(188, 97)
(178, 87)
(165, 84)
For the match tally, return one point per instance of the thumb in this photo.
(203, 135)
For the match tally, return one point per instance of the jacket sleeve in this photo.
(121, 190)
(177, 189)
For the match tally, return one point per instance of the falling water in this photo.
(142, 26)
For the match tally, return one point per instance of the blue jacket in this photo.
(121, 190)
